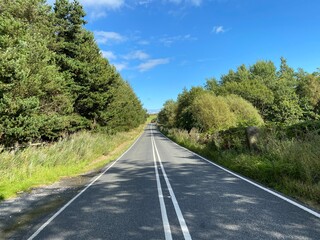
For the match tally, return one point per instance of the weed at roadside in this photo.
(30, 167)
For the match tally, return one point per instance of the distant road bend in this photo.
(159, 190)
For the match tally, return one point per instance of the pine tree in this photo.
(34, 99)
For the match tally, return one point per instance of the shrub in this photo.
(212, 113)
(246, 114)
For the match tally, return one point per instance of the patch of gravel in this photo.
(18, 216)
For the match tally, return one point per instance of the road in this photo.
(158, 190)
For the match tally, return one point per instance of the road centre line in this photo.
(165, 221)
(314, 213)
(80, 193)
(181, 219)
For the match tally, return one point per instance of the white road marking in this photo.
(78, 195)
(314, 213)
(182, 222)
(165, 221)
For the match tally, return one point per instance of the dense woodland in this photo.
(53, 78)
(250, 96)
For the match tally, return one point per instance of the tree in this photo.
(264, 72)
(33, 94)
(285, 108)
(253, 91)
(212, 85)
(167, 115)
(272, 92)
(184, 117)
(125, 110)
(308, 90)
(53, 78)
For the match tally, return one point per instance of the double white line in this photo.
(166, 225)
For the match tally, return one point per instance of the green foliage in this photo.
(308, 90)
(301, 130)
(184, 116)
(246, 114)
(252, 90)
(125, 111)
(53, 78)
(286, 107)
(33, 93)
(101, 94)
(280, 96)
(79, 153)
(203, 110)
(286, 156)
(212, 85)
(288, 165)
(167, 115)
(265, 72)
(211, 113)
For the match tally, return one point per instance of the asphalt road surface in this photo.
(158, 190)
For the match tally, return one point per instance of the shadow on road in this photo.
(218, 205)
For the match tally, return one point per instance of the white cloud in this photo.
(152, 63)
(106, 37)
(121, 66)
(109, 55)
(191, 2)
(143, 42)
(98, 8)
(195, 2)
(110, 4)
(95, 14)
(168, 41)
(140, 55)
(144, 2)
(218, 29)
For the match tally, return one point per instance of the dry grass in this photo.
(79, 153)
(289, 166)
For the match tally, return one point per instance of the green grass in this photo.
(152, 117)
(79, 153)
(289, 166)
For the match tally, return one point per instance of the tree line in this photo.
(53, 78)
(250, 96)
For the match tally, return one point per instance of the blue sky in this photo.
(162, 46)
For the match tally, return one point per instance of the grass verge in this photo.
(288, 166)
(77, 154)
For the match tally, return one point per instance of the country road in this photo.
(158, 190)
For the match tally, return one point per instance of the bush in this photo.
(233, 138)
(301, 130)
(212, 114)
(218, 113)
(246, 114)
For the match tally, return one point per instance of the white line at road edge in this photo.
(183, 225)
(165, 221)
(78, 195)
(314, 213)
